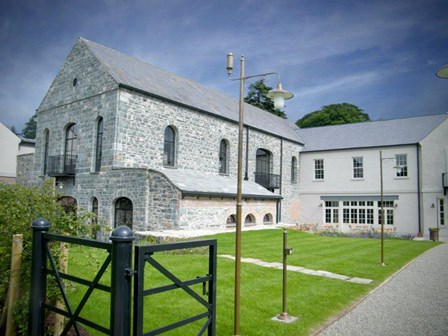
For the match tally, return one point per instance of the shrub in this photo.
(19, 206)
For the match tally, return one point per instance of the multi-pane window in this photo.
(357, 212)
(319, 169)
(441, 211)
(99, 144)
(331, 212)
(358, 167)
(169, 147)
(123, 212)
(389, 212)
(263, 169)
(294, 169)
(223, 157)
(47, 140)
(401, 162)
(71, 148)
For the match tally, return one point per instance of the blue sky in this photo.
(380, 55)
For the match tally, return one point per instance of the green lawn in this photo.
(311, 298)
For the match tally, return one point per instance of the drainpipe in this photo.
(246, 176)
(419, 207)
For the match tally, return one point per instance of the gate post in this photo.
(38, 280)
(121, 254)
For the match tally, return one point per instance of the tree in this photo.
(19, 206)
(334, 114)
(257, 97)
(29, 131)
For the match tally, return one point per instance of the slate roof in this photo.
(370, 134)
(134, 73)
(197, 184)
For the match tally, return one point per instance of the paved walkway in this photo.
(302, 270)
(412, 302)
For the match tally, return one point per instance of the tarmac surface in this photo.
(414, 301)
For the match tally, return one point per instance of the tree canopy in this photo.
(257, 97)
(29, 131)
(334, 114)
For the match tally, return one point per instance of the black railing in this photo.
(61, 165)
(119, 261)
(268, 180)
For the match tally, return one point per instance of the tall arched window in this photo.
(99, 144)
(47, 140)
(294, 169)
(223, 157)
(71, 149)
(95, 228)
(123, 212)
(68, 203)
(263, 168)
(169, 147)
(95, 209)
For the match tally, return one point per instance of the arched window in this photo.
(68, 203)
(267, 219)
(231, 221)
(169, 147)
(263, 174)
(95, 209)
(294, 169)
(99, 144)
(71, 149)
(223, 157)
(249, 220)
(123, 212)
(47, 141)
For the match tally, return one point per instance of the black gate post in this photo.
(38, 279)
(121, 254)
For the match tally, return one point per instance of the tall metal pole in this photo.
(239, 204)
(382, 208)
(284, 314)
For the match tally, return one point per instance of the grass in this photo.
(313, 299)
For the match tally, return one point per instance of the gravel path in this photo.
(413, 302)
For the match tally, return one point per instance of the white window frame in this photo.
(319, 170)
(358, 167)
(401, 162)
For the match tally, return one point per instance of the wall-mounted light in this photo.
(59, 185)
(320, 205)
(433, 206)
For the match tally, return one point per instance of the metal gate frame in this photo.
(120, 261)
(144, 255)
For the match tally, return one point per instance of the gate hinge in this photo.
(130, 272)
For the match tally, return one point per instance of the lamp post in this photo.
(382, 202)
(382, 208)
(278, 96)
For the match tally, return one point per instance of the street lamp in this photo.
(382, 203)
(443, 72)
(278, 96)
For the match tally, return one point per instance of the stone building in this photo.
(144, 147)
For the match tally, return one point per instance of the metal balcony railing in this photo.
(268, 180)
(61, 165)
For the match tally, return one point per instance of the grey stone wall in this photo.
(24, 170)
